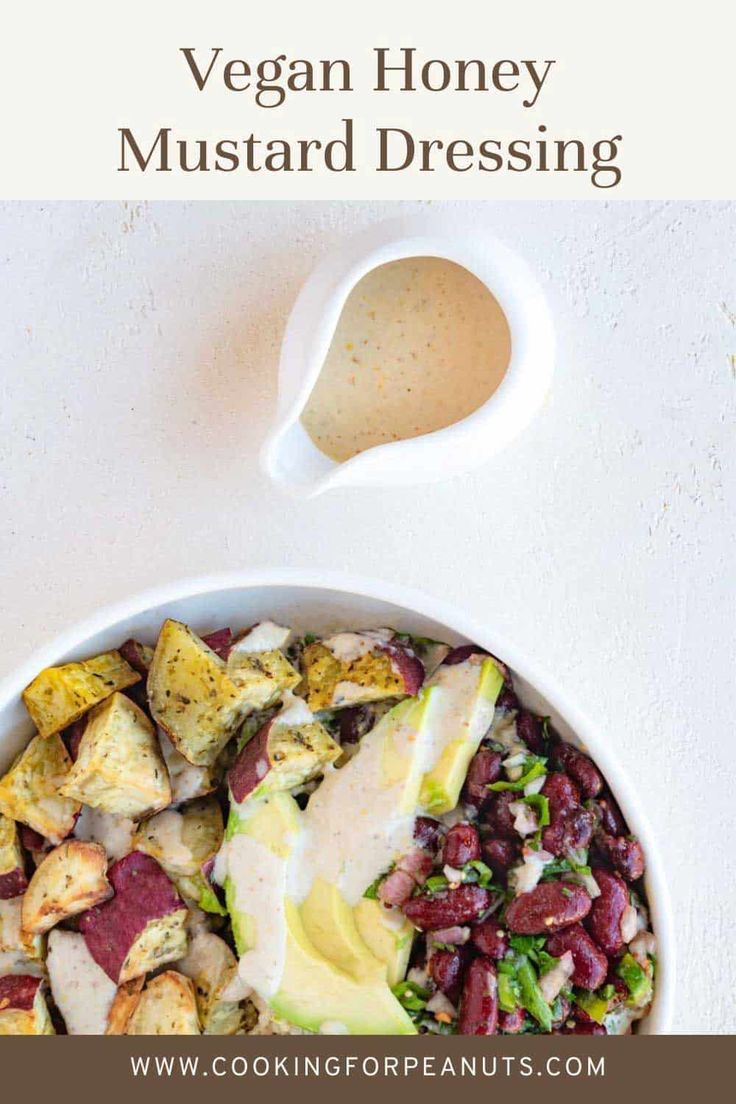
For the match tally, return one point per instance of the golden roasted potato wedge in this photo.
(182, 841)
(14, 941)
(23, 1009)
(264, 676)
(71, 879)
(289, 749)
(167, 1006)
(333, 682)
(82, 991)
(192, 697)
(60, 695)
(124, 1005)
(13, 880)
(119, 767)
(30, 791)
(213, 968)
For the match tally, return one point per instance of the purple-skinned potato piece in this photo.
(144, 898)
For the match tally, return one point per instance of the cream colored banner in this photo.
(285, 100)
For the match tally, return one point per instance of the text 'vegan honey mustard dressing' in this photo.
(421, 343)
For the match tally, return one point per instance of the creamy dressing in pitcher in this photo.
(420, 344)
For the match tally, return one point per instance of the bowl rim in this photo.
(411, 599)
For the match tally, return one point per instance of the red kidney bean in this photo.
(501, 855)
(511, 1023)
(610, 815)
(625, 855)
(579, 767)
(591, 965)
(571, 826)
(547, 908)
(530, 729)
(490, 938)
(604, 920)
(428, 833)
(569, 831)
(462, 844)
(479, 1004)
(485, 767)
(497, 816)
(454, 906)
(446, 971)
(561, 792)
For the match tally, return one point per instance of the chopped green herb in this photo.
(508, 992)
(477, 872)
(595, 1004)
(534, 766)
(531, 994)
(541, 804)
(436, 884)
(636, 980)
(411, 996)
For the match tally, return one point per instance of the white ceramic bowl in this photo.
(327, 601)
(290, 457)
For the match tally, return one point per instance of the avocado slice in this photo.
(278, 958)
(463, 703)
(387, 934)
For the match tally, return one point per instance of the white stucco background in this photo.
(138, 352)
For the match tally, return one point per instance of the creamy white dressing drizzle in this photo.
(260, 881)
(349, 646)
(114, 833)
(294, 711)
(169, 827)
(81, 989)
(266, 636)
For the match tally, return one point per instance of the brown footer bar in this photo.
(139, 1070)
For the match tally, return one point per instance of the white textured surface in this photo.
(139, 345)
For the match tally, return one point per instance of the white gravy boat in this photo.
(289, 455)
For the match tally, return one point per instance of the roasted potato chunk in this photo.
(71, 879)
(30, 791)
(13, 880)
(192, 696)
(142, 927)
(167, 1007)
(14, 941)
(213, 968)
(119, 767)
(60, 695)
(183, 841)
(282, 755)
(23, 1009)
(124, 1005)
(256, 663)
(82, 992)
(351, 668)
